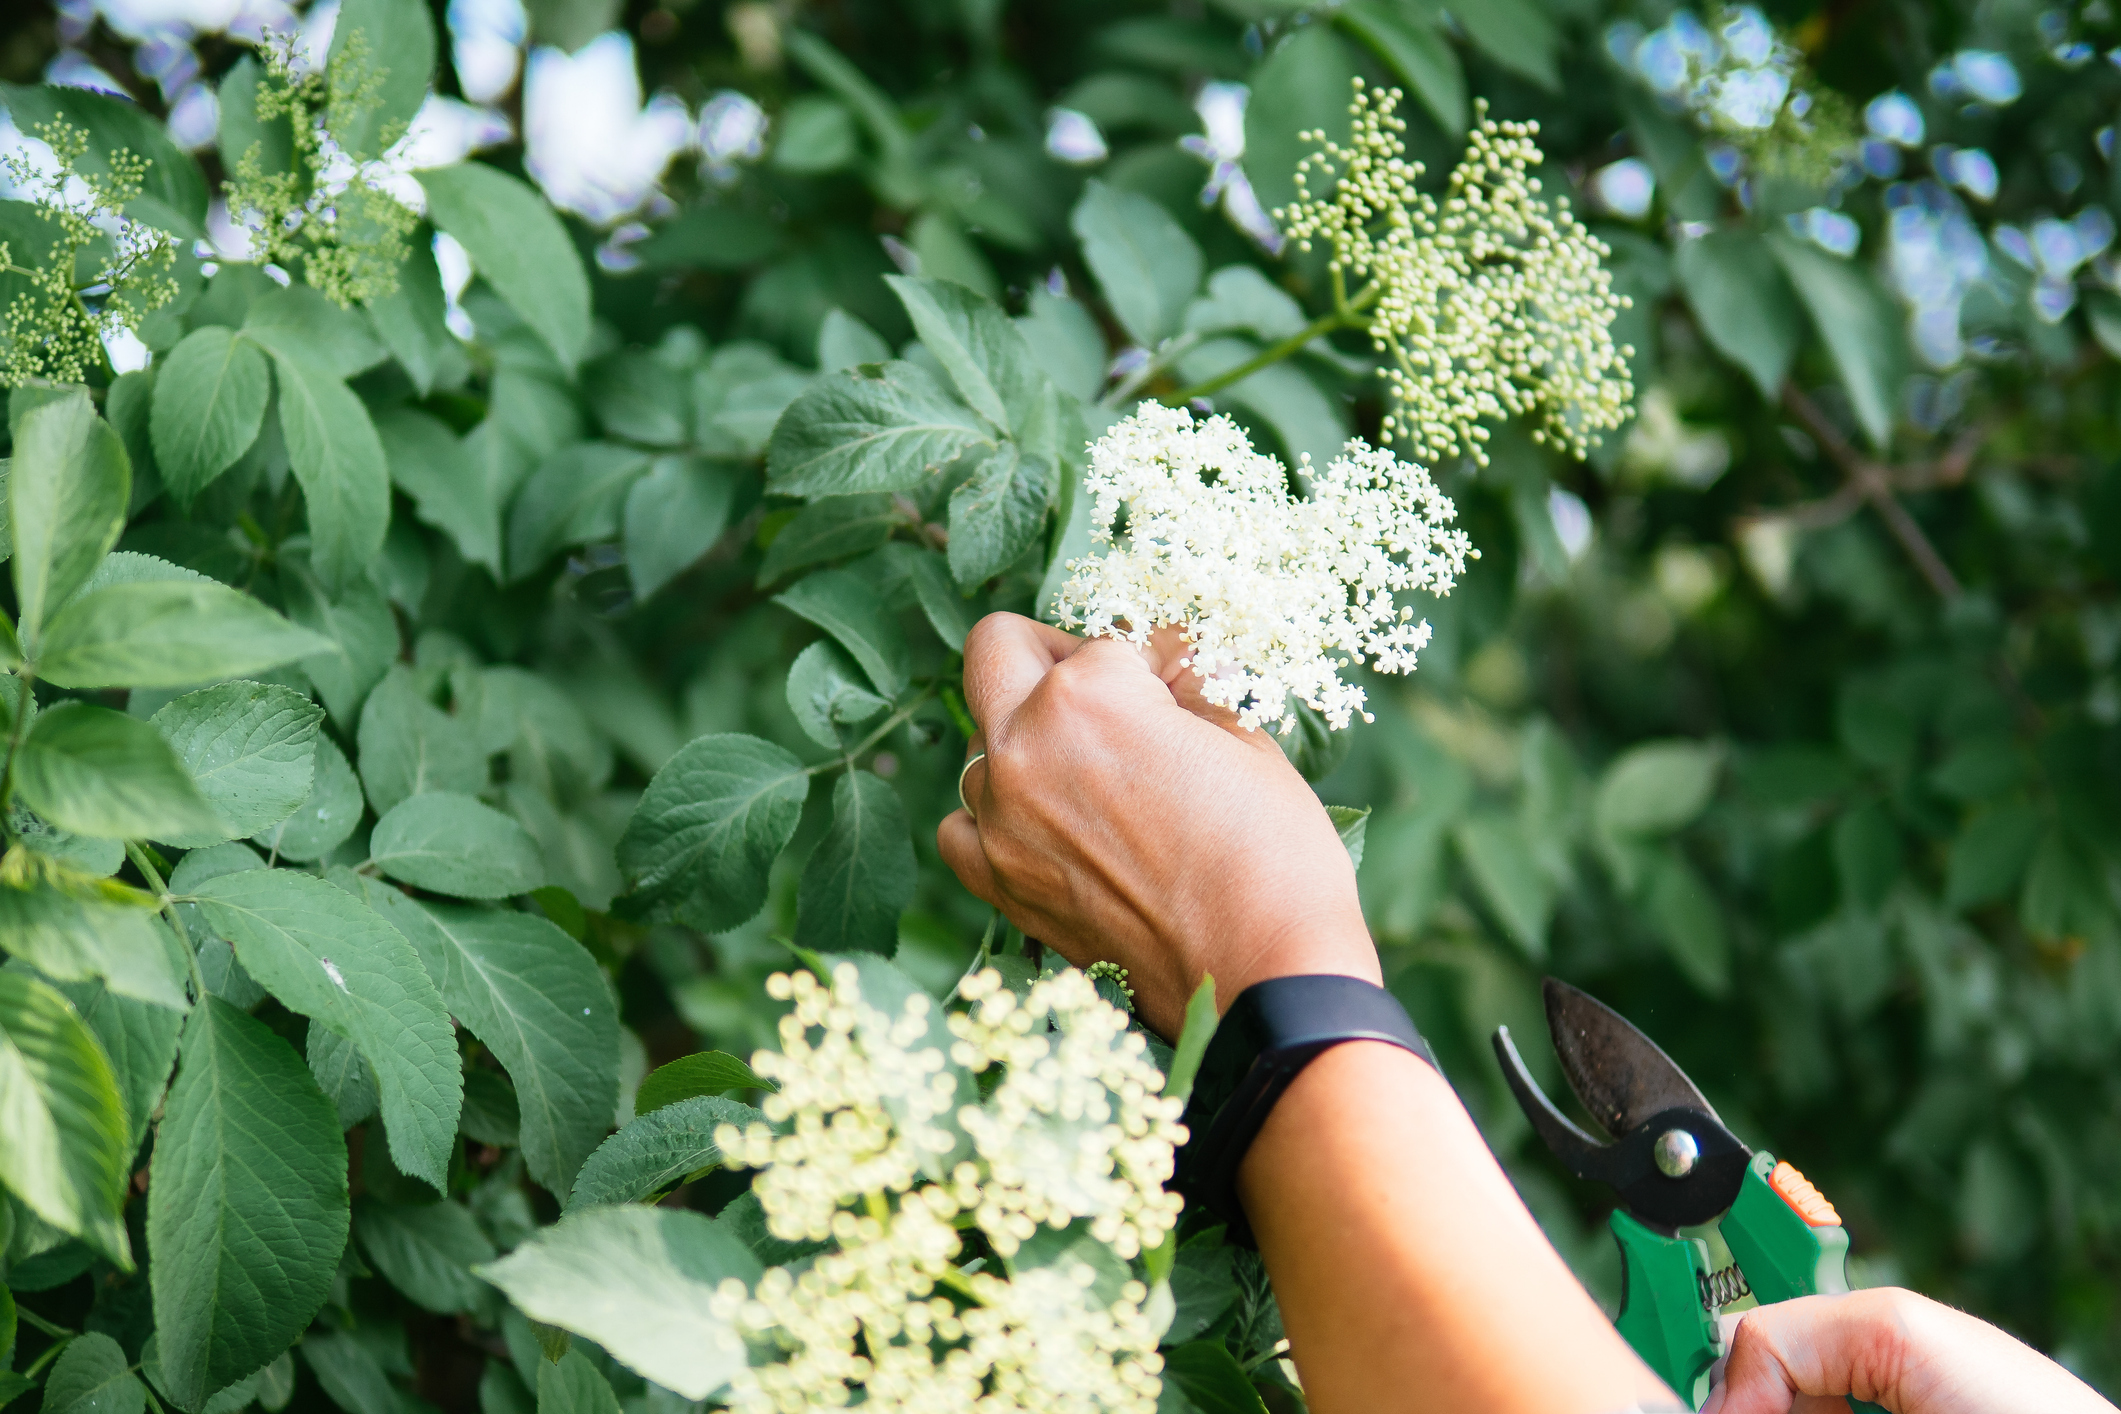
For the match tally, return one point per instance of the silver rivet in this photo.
(1676, 1153)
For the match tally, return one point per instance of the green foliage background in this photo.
(562, 675)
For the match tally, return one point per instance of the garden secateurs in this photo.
(1675, 1165)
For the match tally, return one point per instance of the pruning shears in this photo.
(1674, 1165)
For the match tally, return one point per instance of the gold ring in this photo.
(974, 760)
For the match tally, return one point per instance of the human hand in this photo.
(1121, 818)
(1892, 1347)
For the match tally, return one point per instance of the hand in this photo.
(1892, 1347)
(1121, 818)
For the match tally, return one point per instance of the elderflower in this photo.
(55, 327)
(1274, 593)
(873, 1151)
(1488, 304)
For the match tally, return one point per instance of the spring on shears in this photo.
(1723, 1287)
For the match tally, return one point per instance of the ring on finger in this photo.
(970, 762)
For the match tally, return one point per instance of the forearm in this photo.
(1408, 1271)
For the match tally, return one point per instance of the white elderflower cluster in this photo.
(1275, 593)
(1488, 304)
(1075, 1129)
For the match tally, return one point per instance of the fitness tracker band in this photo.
(1270, 1033)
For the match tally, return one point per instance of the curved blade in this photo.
(1621, 1075)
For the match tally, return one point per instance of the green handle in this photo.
(1781, 1254)
(1661, 1314)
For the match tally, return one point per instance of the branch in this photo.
(1867, 480)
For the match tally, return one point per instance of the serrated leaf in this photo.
(323, 953)
(847, 607)
(451, 844)
(426, 1251)
(1656, 788)
(68, 485)
(877, 427)
(412, 320)
(710, 825)
(407, 745)
(1417, 52)
(65, 1155)
(1860, 324)
(345, 1078)
(251, 750)
(834, 528)
(1507, 872)
(673, 516)
(166, 633)
(517, 244)
(657, 1151)
(1351, 824)
(333, 449)
(1990, 854)
(352, 1376)
(327, 815)
(92, 1376)
(576, 495)
(707, 1073)
(572, 1386)
(1146, 264)
(1743, 303)
(100, 773)
(862, 874)
(74, 927)
(639, 397)
(536, 999)
(997, 514)
(209, 402)
(172, 189)
(1211, 1379)
(140, 1041)
(450, 491)
(640, 1282)
(826, 692)
(983, 352)
(301, 319)
(387, 50)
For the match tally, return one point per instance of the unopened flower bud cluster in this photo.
(1274, 592)
(1075, 1130)
(1489, 304)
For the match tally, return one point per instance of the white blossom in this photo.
(1274, 592)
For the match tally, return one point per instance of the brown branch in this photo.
(1869, 481)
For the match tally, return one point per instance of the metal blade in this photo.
(1621, 1075)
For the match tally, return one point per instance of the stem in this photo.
(958, 1282)
(58, 1332)
(1348, 317)
(25, 703)
(148, 872)
(47, 1357)
(1872, 481)
(891, 724)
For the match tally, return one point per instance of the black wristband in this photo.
(1270, 1033)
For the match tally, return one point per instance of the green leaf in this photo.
(1511, 882)
(817, 135)
(1860, 323)
(710, 825)
(834, 528)
(2065, 894)
(1683, 912)
(639, 1282)
(844, 341)
(251, 750)
(167, 633)
(673, 516)
(1417, 53)
(537, 1000)
(426, 1251)
(845, 606)
(1990, 854)
(67, 489)
(65, 1153)
(173, 191)
(1211, 1379)
(658, 1151)
(1146, 264)
(13, 1385)
(352, 1375)
(429, 464)
(407, 745)
(303, 322)
(96, 772)
(1517, 34)
(451, 844)
(1193, 1037)
(519, 247)
(640, 397)
(1202, 1287)
(572, 1386)
(209, 402)
(1744, 305)
(983, 352)
(1301, 86)
(323, 953)
(826, 692)
(387, 51)
(997, 514)
(1656, 788)
(862, 874)
(412, 320)
(92, 1376)
(140, 1041)
(327, 815)
(1302, 417)
(575, 496)
(707, 1073)
(942, 605)
(1351, 824)
(343, 1076)
(75, 927)
(241, 128)
(878, 427)
(358, 629)
(332, 446)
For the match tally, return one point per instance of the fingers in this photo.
(1005, 656)
(957, 839)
